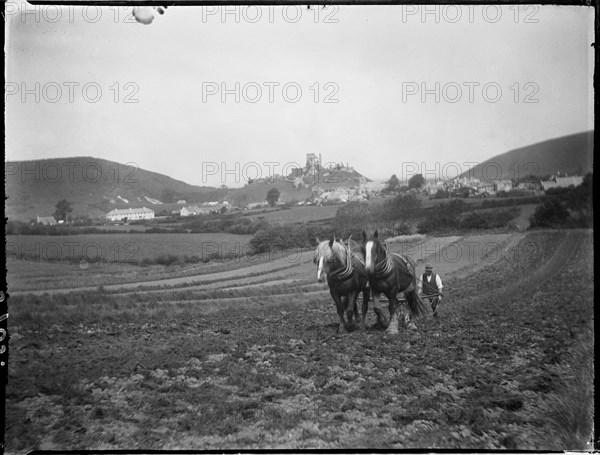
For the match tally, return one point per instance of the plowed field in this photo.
(248, 358)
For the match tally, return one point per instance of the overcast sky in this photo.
(375, 61)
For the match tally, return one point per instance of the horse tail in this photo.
(418, 308)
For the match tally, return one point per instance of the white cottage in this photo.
(131, 214)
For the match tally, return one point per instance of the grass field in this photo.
(248, 358)
(297, 214)
(121, 248)
(123, 227)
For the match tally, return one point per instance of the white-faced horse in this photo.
(390, 273)
(346, 277)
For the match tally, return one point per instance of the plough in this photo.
(402, 299)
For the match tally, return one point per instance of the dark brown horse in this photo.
(346, 278)
(391, 273)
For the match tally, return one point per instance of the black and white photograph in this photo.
(282, 226)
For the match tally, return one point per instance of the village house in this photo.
(503, 185)
(432, 188)
(529, 186)
(214, 207)
(257, 205)
(562, 182)
(46, 220)
(130, 214)
(460, 182)
(485, 188)
(193, 210)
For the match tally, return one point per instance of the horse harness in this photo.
(385, 266)
(345, 272)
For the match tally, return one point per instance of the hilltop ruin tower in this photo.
(312, 161)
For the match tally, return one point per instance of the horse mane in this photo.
(339, 251)
(336, 248)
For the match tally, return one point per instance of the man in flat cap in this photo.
(430, 287)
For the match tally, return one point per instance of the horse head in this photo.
(329, 255)
(373, 250)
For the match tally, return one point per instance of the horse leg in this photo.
(356, 312)
(381, 319)
(365, 308)
(394, 310)
(344, 300)
(407, 318)
(340, 310)
(351, 307)
(411, 309)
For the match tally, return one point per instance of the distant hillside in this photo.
(257, 192)
(299, 185)
(339, 177)
(93, 186)
(571, 154)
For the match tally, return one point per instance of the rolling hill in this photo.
(93, 186)
(299, 185)
(571, 154)
(257, 192)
